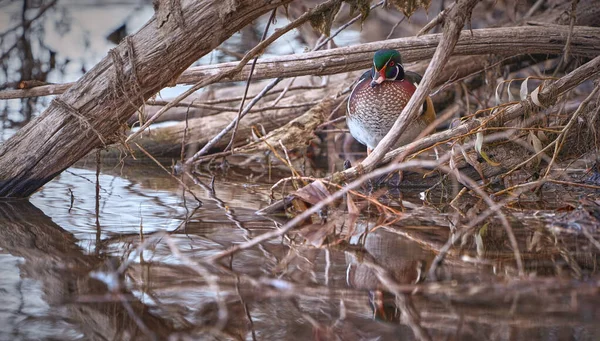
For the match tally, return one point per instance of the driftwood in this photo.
(90, 114)
(509, 41)
(166, 141)
(295, 134)
(213, 101)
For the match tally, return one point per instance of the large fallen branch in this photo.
(508, 41)
(166, 141)
(90, 114)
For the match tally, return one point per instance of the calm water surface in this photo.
(130, 264)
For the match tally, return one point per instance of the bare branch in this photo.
(510, 41)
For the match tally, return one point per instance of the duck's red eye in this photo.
(391, 63)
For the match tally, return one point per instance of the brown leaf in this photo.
(315, 234)
(313, 193)
(408, 7)
(363, 6)
(323, 19)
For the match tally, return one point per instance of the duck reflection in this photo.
(404, 260)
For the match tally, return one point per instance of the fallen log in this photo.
(213, 100)
(166, 141)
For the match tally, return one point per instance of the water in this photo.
(136, 269)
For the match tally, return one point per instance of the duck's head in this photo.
(387, 66)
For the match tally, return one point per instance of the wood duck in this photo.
(378, 99)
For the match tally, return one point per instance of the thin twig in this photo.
(237, 120)
(439, 19)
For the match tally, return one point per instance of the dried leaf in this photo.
(479, 149)
(408, 7)
(452, 163)
(315, 234)
(497, 95)
(479, 240)
(363, 6)
(537, 146)
(511, 97)
(542, 136)
(298, 206)
(313, 193)
(322, 20)
(479, 245)
(534, 97)
(524, 89)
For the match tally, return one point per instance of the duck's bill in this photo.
(377, 81)
(380, 79)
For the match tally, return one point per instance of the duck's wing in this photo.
(413, 77)
(416, 79)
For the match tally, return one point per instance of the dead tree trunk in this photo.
(91, 112)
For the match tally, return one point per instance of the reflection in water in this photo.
(122, 206)
(60, 269)
(58, 283)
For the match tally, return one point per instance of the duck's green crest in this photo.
(382, 57)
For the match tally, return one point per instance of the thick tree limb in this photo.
(100, 103)
(499, 41)
(167, 140)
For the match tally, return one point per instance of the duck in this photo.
(378, 98)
